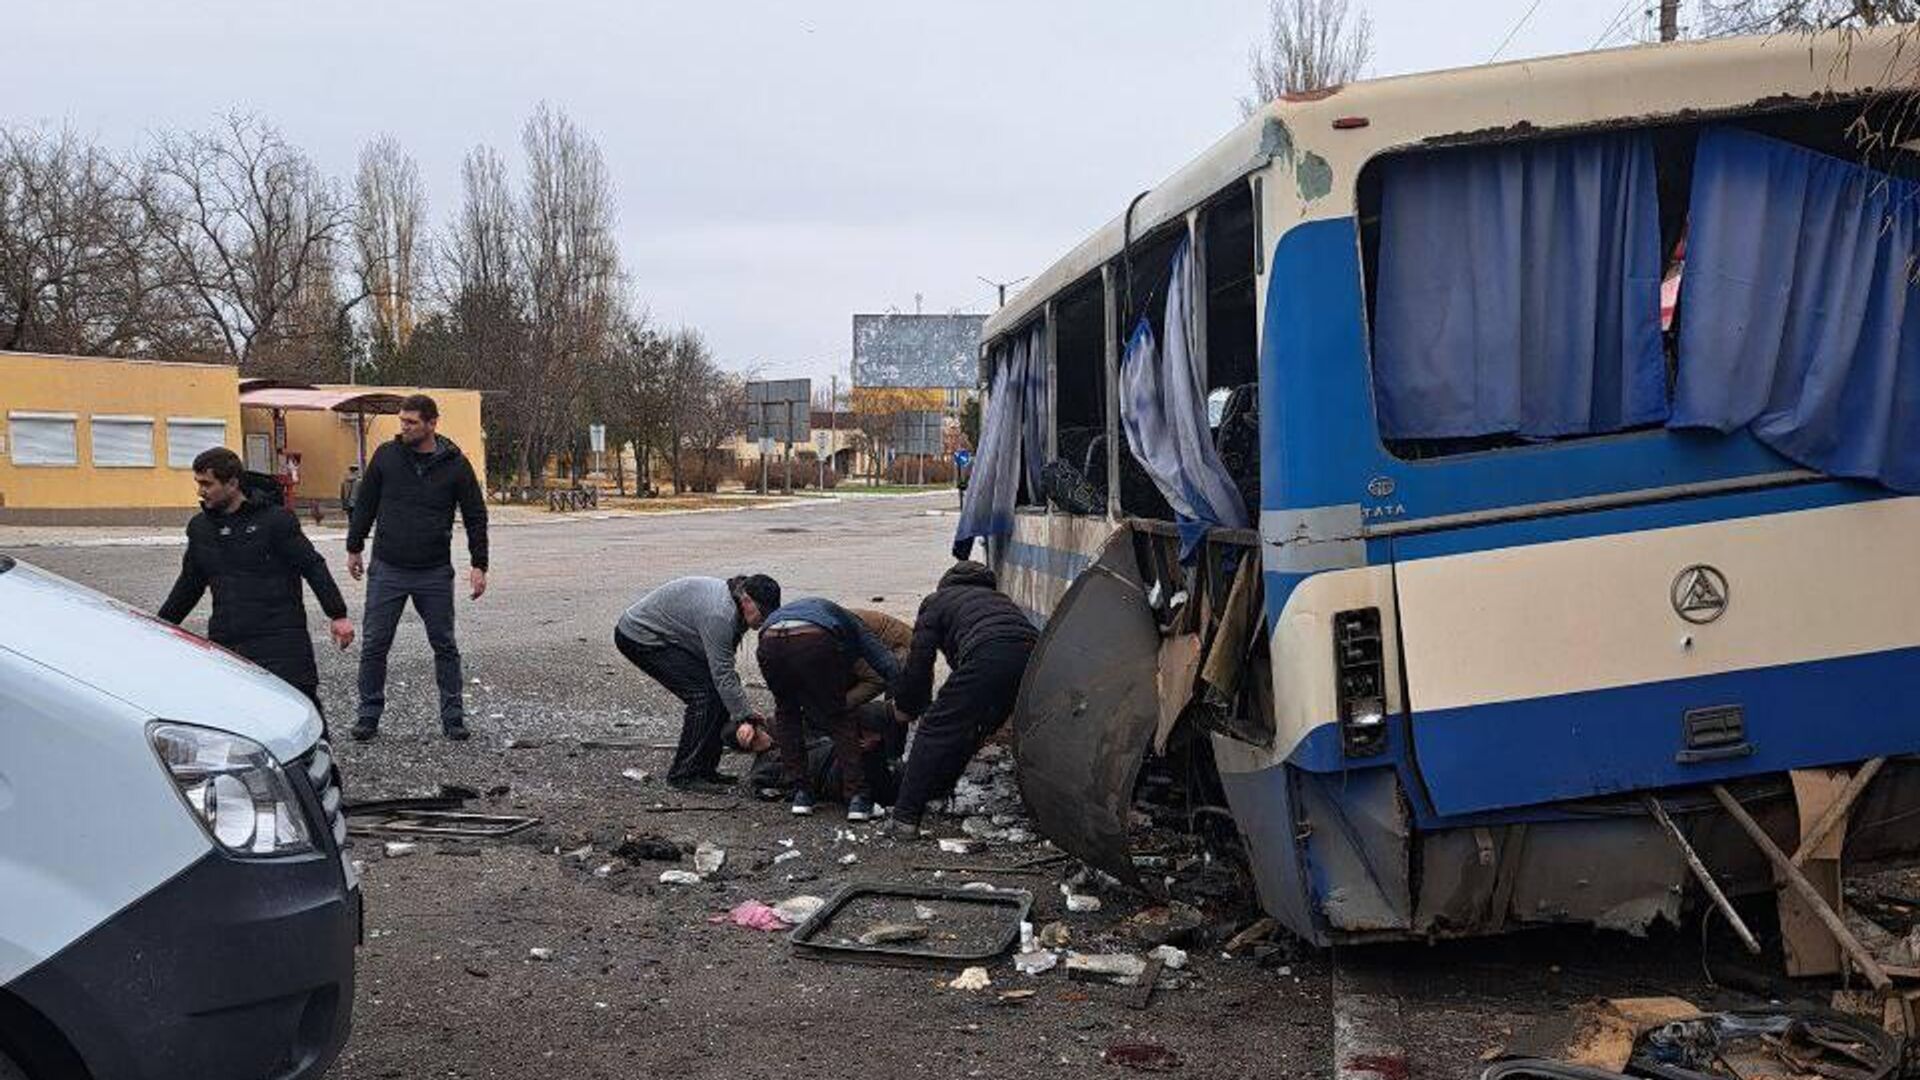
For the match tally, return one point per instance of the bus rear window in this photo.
(1525, 293)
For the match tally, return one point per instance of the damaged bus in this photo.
(1481, 467)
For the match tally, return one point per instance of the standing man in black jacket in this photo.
(250, 551)
(987, 641)
(407, 499)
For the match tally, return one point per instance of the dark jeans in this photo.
(809, 674)
(686, 676)
(975, 700)
(388, 590)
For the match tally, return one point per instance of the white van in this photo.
(173, 896)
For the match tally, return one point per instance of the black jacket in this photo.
(965, 614)
(408, 505)
(254, 559)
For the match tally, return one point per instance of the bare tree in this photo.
(1723, 17)
(248, 221)
(482, 337)
(1311, 45)
(390, 204)
(79, 271)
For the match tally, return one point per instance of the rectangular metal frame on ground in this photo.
(806, 942)
(452, 824)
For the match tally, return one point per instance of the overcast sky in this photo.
(778, 166)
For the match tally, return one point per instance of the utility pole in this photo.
(1669, 20)
(1001, 286)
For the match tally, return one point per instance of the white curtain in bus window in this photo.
(1163, 406)
(1800, 275)
(1519, 291)
(187, 436)
(43, 438)
(987, 509)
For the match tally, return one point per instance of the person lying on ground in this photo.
(686, 635)
(987, 641)
(882, 740)
(807, 652)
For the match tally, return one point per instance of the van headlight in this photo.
(234, 788)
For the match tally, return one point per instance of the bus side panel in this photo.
(1043, 556)
(1568, 669)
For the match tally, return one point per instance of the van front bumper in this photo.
(232, 969)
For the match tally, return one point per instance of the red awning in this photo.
(308, 399)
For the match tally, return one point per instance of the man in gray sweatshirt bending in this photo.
(685, 634)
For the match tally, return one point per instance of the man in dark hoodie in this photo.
(250, 551)
(407, 499)
(986, 639)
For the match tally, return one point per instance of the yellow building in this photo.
(103, 441)
(329, 425)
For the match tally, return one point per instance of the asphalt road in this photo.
(640, 983)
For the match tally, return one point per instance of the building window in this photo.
(122, 442)
(187, 436)
(43, 438)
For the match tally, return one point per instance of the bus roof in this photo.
(1488, 103)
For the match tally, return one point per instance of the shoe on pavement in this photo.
(364, 730)
(860, 809)
(699, 785)
(456, 730)
(904, 829)
(803, 803)
(718, 777)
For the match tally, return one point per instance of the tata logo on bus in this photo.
(1700, 594)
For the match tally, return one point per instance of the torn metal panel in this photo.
(1087, 710)
(1620, 874)
(1265, 808)
(1179, 667)
(1357, 837)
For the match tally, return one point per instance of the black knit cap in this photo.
(764, 591)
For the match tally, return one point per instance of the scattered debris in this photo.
(798, 909)
(476, 972)
(690, 808)
(1175, 959)
(956, 846)
(520, 743)
(890, 933)
(1764, 1042)
(1081, 904)
(754, 915)
(1604, 1031)
(1146, 1057)
(538, 953)
(927, 914)
(648, 848)
(1262, 929)
(708, 859)
(980, 886)
(1174, 923)
(604, 870)
(849, 859)
(974, 978)
(1037, 962)
(638, 776)
(433, 823)
(397, 848)
(785, 856)
(1148, 980)
(1054, 935)
(680, 877)
(1120, 969)
(1011, 996)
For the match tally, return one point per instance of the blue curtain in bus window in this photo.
(1163, 407)
(987, 509)
(1800, 275)
(1034, 409)
(1519, 291)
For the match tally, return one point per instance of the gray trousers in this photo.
(388, 590)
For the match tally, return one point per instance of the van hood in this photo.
(160, 669)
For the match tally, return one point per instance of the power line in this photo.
(1508, 40)
(1612, 25)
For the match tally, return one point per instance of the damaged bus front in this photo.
(1476, 458)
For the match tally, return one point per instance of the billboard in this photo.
(770, 404)
(918, 351)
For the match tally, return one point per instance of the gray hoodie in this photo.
(700, 615)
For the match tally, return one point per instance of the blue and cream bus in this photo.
(1460, 459)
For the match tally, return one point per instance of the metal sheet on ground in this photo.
(1087, 710)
